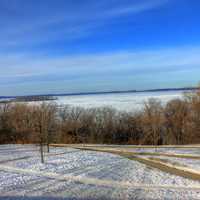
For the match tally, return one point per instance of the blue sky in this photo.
(49, 46)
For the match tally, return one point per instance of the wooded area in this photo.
(178, 122)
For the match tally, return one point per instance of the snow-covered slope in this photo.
(79, 174)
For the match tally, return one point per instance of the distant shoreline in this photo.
(103, 92)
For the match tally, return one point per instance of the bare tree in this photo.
(5, 131)
(193, 102)
(176, 112)
(44, 117)
(152, 122)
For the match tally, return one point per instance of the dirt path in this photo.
(176, 170)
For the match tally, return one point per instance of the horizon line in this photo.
(104, 92)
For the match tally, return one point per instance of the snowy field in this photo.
(74, 174)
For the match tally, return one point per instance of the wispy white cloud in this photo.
(139, 62)
(36, 23)
(135, 8)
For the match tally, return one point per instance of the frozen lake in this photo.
(122, 101)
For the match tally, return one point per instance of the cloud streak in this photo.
(35, 22)
(144, 61)
(22, 69)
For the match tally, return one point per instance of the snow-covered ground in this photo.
(75, 174)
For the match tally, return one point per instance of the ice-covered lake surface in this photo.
(74, 174)
(122, 101)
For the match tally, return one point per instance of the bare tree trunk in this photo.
(48, 149)
(47, 141)
(41, 153)
(41, 144)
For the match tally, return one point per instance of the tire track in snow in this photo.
(93, 181)
(37, 187)
(14, 159)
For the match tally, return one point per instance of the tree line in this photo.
(177, 122)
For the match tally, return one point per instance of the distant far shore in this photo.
(101, 92)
